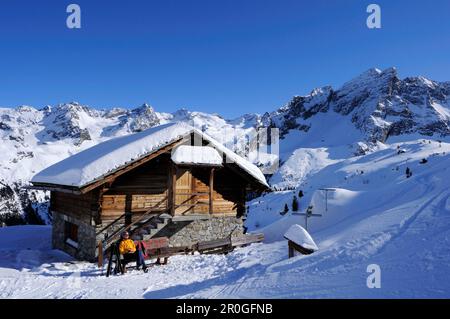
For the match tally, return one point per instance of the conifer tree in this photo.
(294, 204)
(286, 209)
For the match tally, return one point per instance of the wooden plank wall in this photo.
(228, 191)
(138, 190)
(183, 192)
(148, 185)
(201, 185)
(77, 206)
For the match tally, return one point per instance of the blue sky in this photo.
(230, 57)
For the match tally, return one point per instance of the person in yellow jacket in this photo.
(128, 250)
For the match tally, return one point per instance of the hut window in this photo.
(71, 234)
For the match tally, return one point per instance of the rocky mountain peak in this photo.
(182, 113)
(321, 91)
(25, 108)
(66, 120)
(142, 118)
(378, 103)
(144, 108)
(46, 109)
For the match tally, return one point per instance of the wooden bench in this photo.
(225, 245)
(155, 248)
(222, 245)
(247, 239)
(159, 248)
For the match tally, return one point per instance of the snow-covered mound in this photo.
(301, 237)
(302, 163)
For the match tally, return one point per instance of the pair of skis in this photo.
(115, 255)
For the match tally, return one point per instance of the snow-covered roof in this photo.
(301, 237)
(105, 158)
(197, 155)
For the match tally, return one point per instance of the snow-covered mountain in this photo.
(319, 129)
(378, 103)
(380, 143)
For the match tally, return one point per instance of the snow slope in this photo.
(404, 227)
(359, 181)
(358, 140)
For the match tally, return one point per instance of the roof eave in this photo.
(54, 187)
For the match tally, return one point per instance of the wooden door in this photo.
(200, 184)
(183, 192)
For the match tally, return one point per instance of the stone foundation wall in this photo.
(186, 233)
(86, 249)
(180, 233)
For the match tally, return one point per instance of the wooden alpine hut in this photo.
(169, 181)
